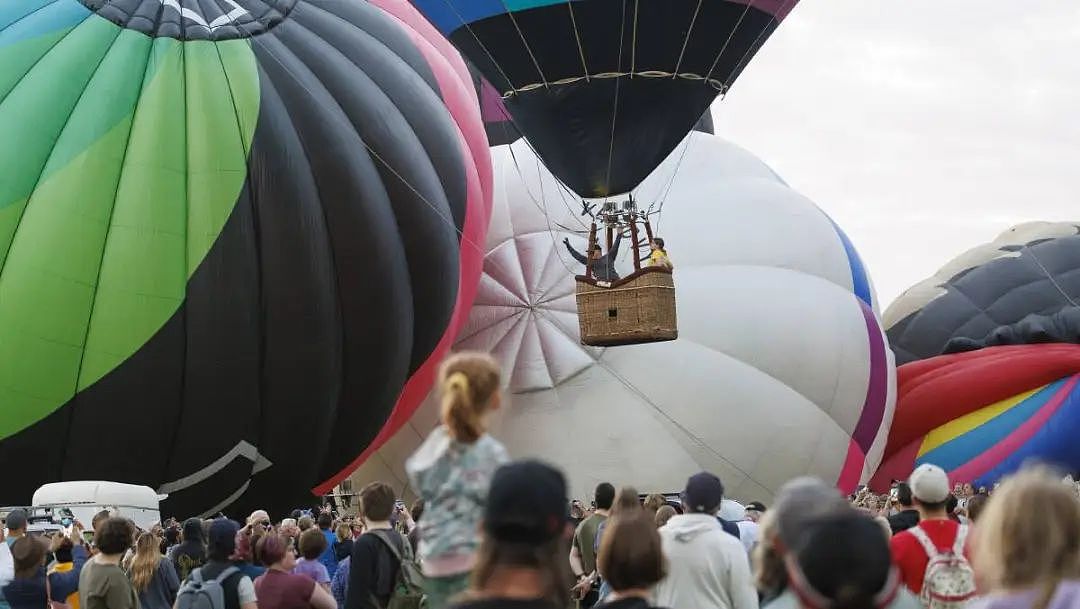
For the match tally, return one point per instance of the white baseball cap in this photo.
(929, 484)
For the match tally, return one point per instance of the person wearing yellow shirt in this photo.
(659, 255)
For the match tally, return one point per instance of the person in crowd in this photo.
(602, 265)
(305, 523)
(913, 548)
(626, 503)
(279, 587)
(15, 522)
(259, 518)
(749, 530)
(583, 550)
(663, 515)
(238, 588)
(631, 560)
(653, 503)
(522, 557)
(329, 557)
(798, 502)
(190, 554)
(31, 584)
(842, 561)
(70, 554)
(103, 583)
(243, 556)
(98, 519)
(374, 567)
(290, 530)
(152, 575)
(339, 583)
(577, 513)
(343, 542)
(26, 590)
(907, 516)
(658, 255)
(312, 546)
(1027, 545)
(452, 471)
(170, 539)
(417, 510)
(708, 568)
(754, 511)
(976, 506)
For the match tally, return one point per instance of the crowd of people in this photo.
(491, 533)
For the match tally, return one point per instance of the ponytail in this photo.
(470, 382)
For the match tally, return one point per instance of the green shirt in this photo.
(105, 587)
(585, 541)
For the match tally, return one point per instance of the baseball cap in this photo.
(755, 506)
(526, 503)
(16, 519)
(222, 539)
(703, 493)
(929, 483)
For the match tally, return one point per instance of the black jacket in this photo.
(603, 268)
(373, 572)
(903, 520)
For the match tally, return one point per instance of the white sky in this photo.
(923, 127)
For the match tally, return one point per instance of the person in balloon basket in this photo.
(933, 555)
(452, 471)
(602, 265)
(525, 527)
(658, 255)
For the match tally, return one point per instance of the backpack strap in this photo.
(226, 574)
(961, 540)
(924, 541)
(196, 576)
(384, 536)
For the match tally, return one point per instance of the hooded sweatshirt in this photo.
(191, 553)
(707, 568)
(1066, 596)
(452, 478)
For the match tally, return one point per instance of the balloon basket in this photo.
(637, 309)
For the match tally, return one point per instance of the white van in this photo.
(140, 504)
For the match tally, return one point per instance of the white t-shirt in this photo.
(246, 590)
(749, 533)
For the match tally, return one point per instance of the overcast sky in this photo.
(924, 127)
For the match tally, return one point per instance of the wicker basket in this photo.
(637, 309)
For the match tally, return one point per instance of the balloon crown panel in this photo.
(225, 20)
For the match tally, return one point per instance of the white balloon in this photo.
(778, 365)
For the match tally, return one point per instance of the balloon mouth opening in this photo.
(225, 20)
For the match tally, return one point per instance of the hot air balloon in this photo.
(991, 360)
(235, 237)
(781, 367)
(605, 90)
(1008, 291)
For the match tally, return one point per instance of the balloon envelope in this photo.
(225, 235)
(780, 368)
(604, 90)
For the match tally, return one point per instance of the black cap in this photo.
(16, 519)
(526, 503)
(703, 493)
(222, 542)
(755, 506)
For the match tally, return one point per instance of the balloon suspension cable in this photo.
(615, 103)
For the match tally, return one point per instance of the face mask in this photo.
(65, 521)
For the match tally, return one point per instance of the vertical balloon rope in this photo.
(730, 37)
(788, 4)
(510, 14)
(633, 43)
(577, 36)
(686, 41)
(615, 104)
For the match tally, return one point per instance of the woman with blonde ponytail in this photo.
(451, 471)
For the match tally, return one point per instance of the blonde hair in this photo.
(626, 502)
(770, 574)
(470, 383)
(144, 562)
(663, 515)
(654, 502)
(1029, 535)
